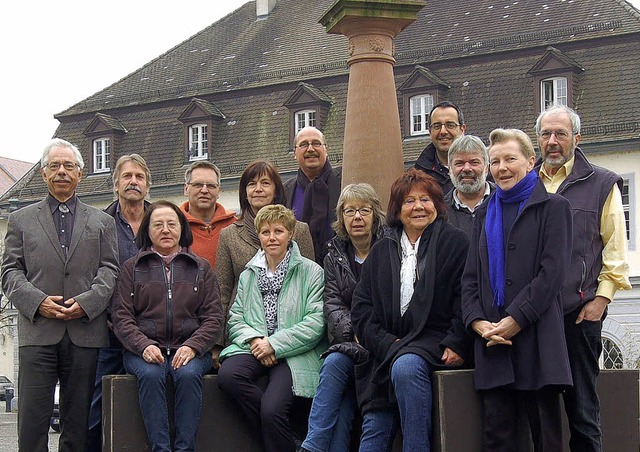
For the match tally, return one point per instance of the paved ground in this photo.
(9, 435)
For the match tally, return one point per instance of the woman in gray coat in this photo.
(516, 267)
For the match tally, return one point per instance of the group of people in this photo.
(485, 258)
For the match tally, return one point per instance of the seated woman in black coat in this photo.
(406, 313)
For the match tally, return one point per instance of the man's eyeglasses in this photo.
(55, 166)
(436, 126)
(364, 212)
(201, 185)
(560, 134)
(305, 144)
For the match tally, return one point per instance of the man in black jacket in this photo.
(131, 183)
(446, 123)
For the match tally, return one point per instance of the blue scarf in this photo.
(519, 193)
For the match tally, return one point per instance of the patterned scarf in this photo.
(519, 193)
(270, 288)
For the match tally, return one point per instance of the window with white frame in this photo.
(198, 142)
(553, 91)
(305, 118)
(420, 107)
(101, 155)
(628, 206)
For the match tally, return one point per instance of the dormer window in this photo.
(198, 142)
(420, 92)
(553, 91)
(105, 133)
(101, 155)
(555, 79)
(200, 121)
(421, 105)
(308, 107)
(305, 118)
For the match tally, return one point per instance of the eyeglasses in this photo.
(560, 134)
(306, 144)
(436, 126)
(55, 166)
(364, 212)
(201, 185)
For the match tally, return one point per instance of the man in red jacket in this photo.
(206, 216)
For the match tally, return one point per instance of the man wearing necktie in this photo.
(59, 269)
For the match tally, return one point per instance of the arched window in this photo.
(611, 355)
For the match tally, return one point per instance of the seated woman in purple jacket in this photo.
(166, 312)
(520, 250)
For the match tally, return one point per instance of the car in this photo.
(5, 383)
(55, 417)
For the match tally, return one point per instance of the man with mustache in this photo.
(206, 216)
(313, 193)
(468, 165)
(131, 183)
(598, 266)
(59, 270)
(446, 123)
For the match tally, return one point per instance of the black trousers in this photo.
(41, 367)
(502, 413)
(267, 411)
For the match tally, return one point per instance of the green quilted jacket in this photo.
(300, 336)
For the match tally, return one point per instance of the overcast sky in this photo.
(57, 53)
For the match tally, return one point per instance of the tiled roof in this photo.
(242, 71)
(239, 52)
(11, 170)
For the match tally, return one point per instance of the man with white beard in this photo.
(468, 168)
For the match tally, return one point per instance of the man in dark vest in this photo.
(598, 262)
(313, 193)
(446, 123)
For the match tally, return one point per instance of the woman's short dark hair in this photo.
(143, 240)
(255, 169)
(401, 188)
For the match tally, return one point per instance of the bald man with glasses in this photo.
(313, 193)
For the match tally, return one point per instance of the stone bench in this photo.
(457, 415)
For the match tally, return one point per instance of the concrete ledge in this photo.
(457, 415)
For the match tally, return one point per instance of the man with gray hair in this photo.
(468, 167)
(598, 266)
(131, 183)
(59, 270)
(206, 216)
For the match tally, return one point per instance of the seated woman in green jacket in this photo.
(276, 328)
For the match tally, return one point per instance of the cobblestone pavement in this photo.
(9, 434)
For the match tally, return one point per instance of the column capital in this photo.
(349, 16)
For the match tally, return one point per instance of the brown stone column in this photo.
(372, 136)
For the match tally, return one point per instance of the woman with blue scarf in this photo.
(516, 267)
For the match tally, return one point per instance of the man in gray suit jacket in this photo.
(59, 269)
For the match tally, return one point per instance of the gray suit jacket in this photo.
(34, 267)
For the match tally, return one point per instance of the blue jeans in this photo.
(411, 380)
(187, 383)
(581, 402)
(109, 363)
(333, 406)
